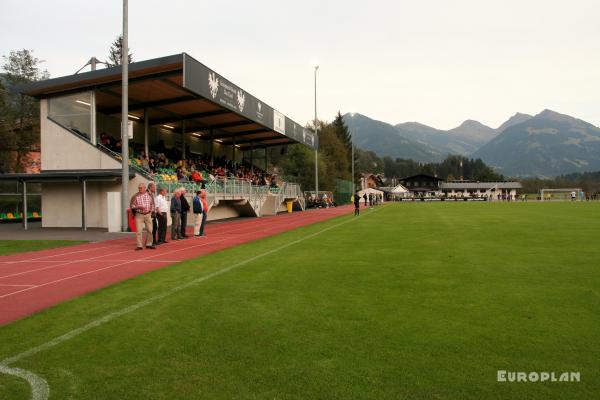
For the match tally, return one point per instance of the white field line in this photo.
(39, 387)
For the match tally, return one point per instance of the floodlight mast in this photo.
(316, 137)
(124, 119)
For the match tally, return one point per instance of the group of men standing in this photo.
(370, 200)
(150, 210)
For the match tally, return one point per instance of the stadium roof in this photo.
(178, 88)
(422, 176)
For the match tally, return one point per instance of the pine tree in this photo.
(116, 51)
(20, 129)
(342, 131)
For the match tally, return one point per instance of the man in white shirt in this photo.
(162, 209)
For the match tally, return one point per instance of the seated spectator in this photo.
(152, 164)
(180, 174)
(196, 176)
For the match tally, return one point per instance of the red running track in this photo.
(33, 281)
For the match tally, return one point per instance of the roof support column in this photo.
(233, 152)
(93, 134)
(83, 202)
(124, 119)
(24, 190)
(146, 128)
(183, 155)
(266, 160)
(212, 146)
(252, 157)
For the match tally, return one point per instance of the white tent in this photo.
(395, 192)
(400, 190)
(370, 191)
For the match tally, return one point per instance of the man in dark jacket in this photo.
(366, 200)
(356, 204)
(185, 207)
(176, 215)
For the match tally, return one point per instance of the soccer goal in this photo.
(566, 194)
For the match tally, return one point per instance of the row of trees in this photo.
(587, 181)
(335, 157)
(19, 115)
(453, 167)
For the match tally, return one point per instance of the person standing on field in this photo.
(185, 208)
(152, 192)
(356, 204)
(204, 212)
(142, 204)
(198, 211)
(162, 208)
(176, 215)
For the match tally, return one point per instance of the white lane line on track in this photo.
(5, 284)
(253, 232)
(60, 254)
(104, 255)
(39, 387)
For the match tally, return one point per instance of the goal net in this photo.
(566, 194)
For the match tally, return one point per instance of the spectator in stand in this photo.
(142, 204)
(180, 174)
(105, 140)
(119, 146)
(196, 176)
(162, 208)
(185, 207)
(162, 161)
(152, 164)
(274, 182)
(176, 215)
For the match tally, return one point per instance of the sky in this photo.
(438, 62)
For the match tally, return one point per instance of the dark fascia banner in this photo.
(202, 80)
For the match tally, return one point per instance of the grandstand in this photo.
(189, 126)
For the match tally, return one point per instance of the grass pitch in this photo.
(411, 301)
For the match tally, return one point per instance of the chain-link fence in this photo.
(343, 191)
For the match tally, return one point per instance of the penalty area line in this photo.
(40, 389)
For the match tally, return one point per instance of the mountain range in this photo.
(547, 144)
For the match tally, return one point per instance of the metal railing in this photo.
(237, 189)
(118, 157)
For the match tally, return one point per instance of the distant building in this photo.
(369, 180)
(428, 186)
(496, 190)
(423, 185)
